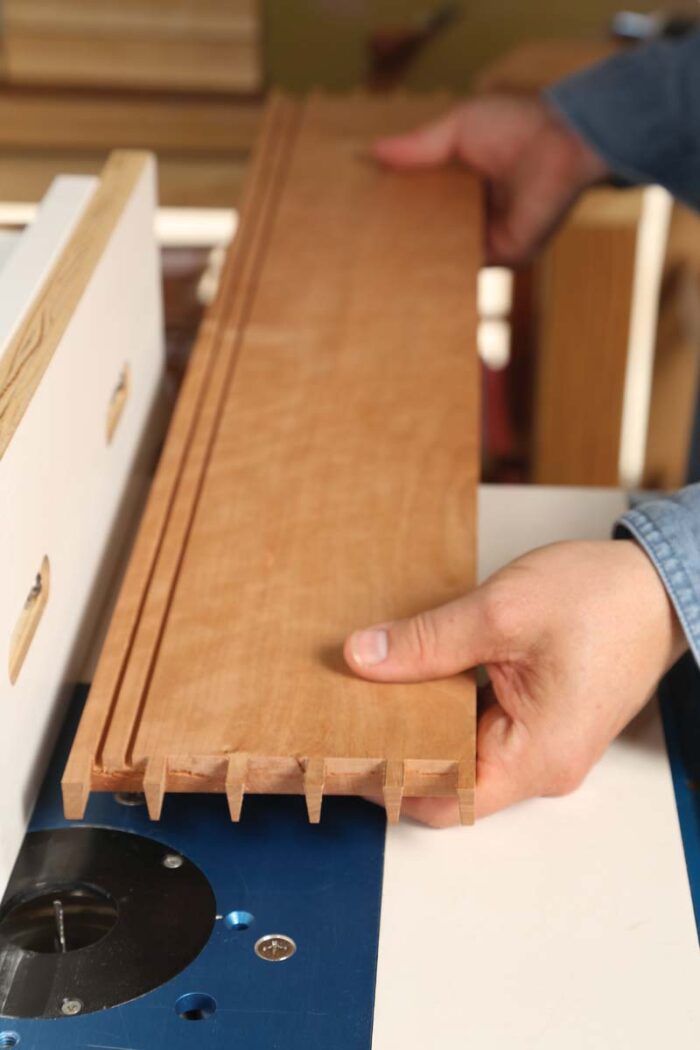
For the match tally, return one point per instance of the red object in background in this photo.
(507, 394)
(391, 50)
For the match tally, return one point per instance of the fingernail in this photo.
(369, 648)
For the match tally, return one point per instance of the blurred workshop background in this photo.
(590, 355)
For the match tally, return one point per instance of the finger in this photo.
(434, 644)
(428, 146)
(512, 766)
(514, 761)
(515, 235)
(433, 812)
(533, 207)
(504, 775)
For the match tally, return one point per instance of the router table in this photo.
(563, 922)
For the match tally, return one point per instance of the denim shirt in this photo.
(668, 529)
(641, 111)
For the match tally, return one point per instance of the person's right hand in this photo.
(575, 637)
(533, 164)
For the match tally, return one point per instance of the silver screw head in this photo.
(130, 798)
(172, 861)
(71, 1007)
(275, 947)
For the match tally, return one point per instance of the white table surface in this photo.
(561, 924)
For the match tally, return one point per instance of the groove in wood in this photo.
(76, 789)
(320, 474)
(29, 619)
(466, 792)
(314, 783)
(235, 784)
(155, 782)
(393, 789)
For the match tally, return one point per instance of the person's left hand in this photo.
(533, 165)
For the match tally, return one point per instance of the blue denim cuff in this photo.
(640, 111)
(668, 531)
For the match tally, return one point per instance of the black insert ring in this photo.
(95, 916)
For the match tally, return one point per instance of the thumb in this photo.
(434, 644)
(425, 147)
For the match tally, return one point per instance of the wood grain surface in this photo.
(320, 474)
(677, 359)
(133, 43)
(30, 352)
(586, 279)
(58, 458)
(155, 17)
(179, 64)
(44, 119)
(534, 65)
(203, 181)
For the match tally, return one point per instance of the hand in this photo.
(574, 637)
(533, 163)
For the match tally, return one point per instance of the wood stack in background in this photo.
(525, 69)
(196, 45)
(80, 77)
(584, 288)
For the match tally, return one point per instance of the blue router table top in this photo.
(320, 885)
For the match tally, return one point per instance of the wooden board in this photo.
(202, 141)
(202, 181)
(586, 280)
(537, 64)
(29, 352)
(45, 119)
(176, 17)
(600, 281)
(138, 44)
(320, 474)
(185, 65)
(677, 359)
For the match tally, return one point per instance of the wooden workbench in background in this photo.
(81, 77)
(579, 319)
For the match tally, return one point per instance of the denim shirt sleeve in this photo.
(668, 529)
(640, 111)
